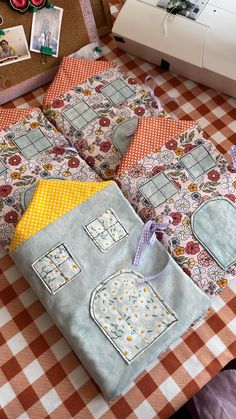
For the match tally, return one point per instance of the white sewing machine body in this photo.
(203, 49)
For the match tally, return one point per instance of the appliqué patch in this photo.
(197, 161)
(56, 268)
(214, 226)
(2, 168)
(158, 189)
(80, 115)
(131, 315)
(117, 91)
(32, 143)
(106, 230)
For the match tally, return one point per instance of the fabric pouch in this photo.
(31, 148)
(190, 181)
(97, 108)
(78, 259)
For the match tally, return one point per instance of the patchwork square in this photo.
(79, 115)
(2, 168)
(117, 91)
(56, 268)
(158, 189)
(32, 143)
(106, 230)
(198, 161)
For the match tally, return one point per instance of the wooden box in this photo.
(24, 76)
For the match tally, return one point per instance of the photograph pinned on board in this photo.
(13, 46)
(45, 31)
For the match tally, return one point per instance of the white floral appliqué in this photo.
(130, 314)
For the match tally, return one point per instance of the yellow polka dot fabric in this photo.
(11, 116)
(151, 134)
(73, 72)
(52, 199)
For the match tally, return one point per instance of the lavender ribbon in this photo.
(155, 98)
(148, 237)
(233, 156)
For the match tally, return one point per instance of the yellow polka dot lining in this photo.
(52, 199)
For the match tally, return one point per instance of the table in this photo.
(41, 377)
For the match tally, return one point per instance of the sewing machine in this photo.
(197, 42)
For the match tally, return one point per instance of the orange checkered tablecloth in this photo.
(41, 377)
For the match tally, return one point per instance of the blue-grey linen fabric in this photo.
(69, 307)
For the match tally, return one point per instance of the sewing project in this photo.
(97, 109)
(116, 321)
(188, 180)
(31, 149)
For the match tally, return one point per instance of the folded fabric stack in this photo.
(190, 181)
(81, 244)
(31, 148)
(97, 109)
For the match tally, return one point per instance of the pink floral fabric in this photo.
(190, 193)
(19, 173)
(94, 141)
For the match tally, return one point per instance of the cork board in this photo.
(73, 36)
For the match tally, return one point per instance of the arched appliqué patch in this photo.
(131, 315)
(123, 133)
(214, 226)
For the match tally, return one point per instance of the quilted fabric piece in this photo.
(175, 180)
(31, 149)
(116, 325)
(89, 112)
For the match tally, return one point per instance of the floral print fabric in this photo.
(89, 114)
(56, 268)
(131, 315)
(106, 230)
(32, 149)
(214, 178)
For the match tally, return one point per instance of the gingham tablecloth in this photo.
(41, 377)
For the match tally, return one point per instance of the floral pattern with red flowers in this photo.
(213, 175)
(192, 248)
(171, 145)
(74, 162)
(14, 160)
(99, 132)
(57, 103)
(59, 161)
(11, 217)
(177, 217)
(58, 150)
(105, 146)
(5, 190)
(179, 238)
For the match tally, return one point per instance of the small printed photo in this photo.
(13, 46)
(46, 28)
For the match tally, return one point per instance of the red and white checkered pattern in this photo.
(41, 377)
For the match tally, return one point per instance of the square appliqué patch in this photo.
(158, 189)
(56, 268)
(117, 91)
(80, 115)
(106, 230)
(32, 143)
(197, 161)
